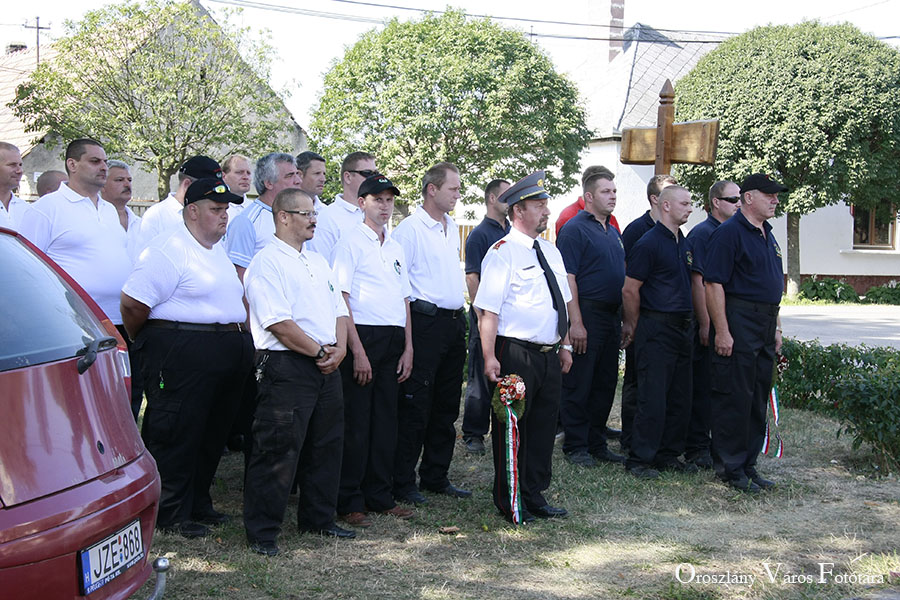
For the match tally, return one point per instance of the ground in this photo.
(684, 537)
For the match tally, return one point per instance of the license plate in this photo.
(109, 558)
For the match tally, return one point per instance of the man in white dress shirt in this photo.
(183, 307)
(371, 270)
(81, 231)
(344, 213)
(523, 294)
(299, 322)
(11, 207)
(429, 399)
(165, 216)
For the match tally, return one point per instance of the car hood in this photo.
(60, 429)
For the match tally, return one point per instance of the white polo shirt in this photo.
(249, 233)
(133, 235)
(11, 217)
(333, 221)
(284, 284)
(88, 242)
(433, 259)
(182, 280)
(513, 286)
(374, 274)
(162, 217)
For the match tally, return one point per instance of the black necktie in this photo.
(562, 318)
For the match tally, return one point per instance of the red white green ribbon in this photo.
(773, 403)
(509, 404)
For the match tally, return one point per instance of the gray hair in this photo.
(117, 164)
(266, 171)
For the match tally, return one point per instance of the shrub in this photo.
(829, 289)
(858, 386)
(883, 294)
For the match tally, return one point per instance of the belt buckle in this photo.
(547, 348)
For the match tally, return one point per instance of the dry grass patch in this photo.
(624, 539)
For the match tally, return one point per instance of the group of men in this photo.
(333, 344)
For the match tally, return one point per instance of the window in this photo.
(874, 228)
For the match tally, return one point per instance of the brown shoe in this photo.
(399, 512)
(356, 519)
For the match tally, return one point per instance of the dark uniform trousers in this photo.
(243, 422)
(740, 386)
(193, 381)
(589, 388)
(429, 401)
(629, 397)
(477, 415)
(137, 380)
(663, 348)
(298, 429)
(537, 424)
(370, 422)
(698, 437)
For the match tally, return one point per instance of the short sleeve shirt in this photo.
(182, 280)
(698, 239)
(87, 241)
(374, 275)
(635, 230)
(660, 260)
(163, 217)
(333, 221)
(595, 255)
(514, 287)
(746, 260)
(12, 216)
(249, 233)
(480, 240)
(432, 257)
(283, 284)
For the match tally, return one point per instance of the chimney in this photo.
(616, 27)
(15, 47)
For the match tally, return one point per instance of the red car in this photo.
(78, 490)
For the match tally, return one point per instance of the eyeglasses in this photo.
(365, 172)
(731, 199)
(303, 213)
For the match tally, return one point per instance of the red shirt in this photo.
(571, 210)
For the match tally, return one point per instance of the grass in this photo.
(624, 538)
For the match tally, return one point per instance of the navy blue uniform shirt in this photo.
(480, 240)
(635, 231)
(698, 240)
(662, 262)
(745, 260)
(595, 256)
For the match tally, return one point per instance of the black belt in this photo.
(760, 307)
(424, 307)
(182, 326)
(529, 345)
(602, 306)
(682, 320)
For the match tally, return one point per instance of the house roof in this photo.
(629, 93)
(14, 69)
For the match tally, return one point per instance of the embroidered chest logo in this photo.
(397, 266)
(330, 287)
(621, 245)
(777, 248)
(690, 258)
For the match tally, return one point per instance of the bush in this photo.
(883, 294)
(858, 386)
(828, 289)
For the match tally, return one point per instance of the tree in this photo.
(156, 83)
(816, 106)
(448, 88)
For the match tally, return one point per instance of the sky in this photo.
(310, 36)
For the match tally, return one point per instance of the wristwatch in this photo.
(321, 353)
(566, 347)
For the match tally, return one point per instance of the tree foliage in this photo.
(156, 83)
(816, 106)
(449, 88)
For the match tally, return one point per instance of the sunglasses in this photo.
(365, 172)
(303, 213)
(731, 199)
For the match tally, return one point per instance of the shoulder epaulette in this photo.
(498, 244)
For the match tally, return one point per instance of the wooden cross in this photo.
(693, 142)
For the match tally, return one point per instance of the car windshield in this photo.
(42, 319)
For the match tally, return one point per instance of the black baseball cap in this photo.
(375, 184)
(763, 183)
(210, 188)
(201, 167)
